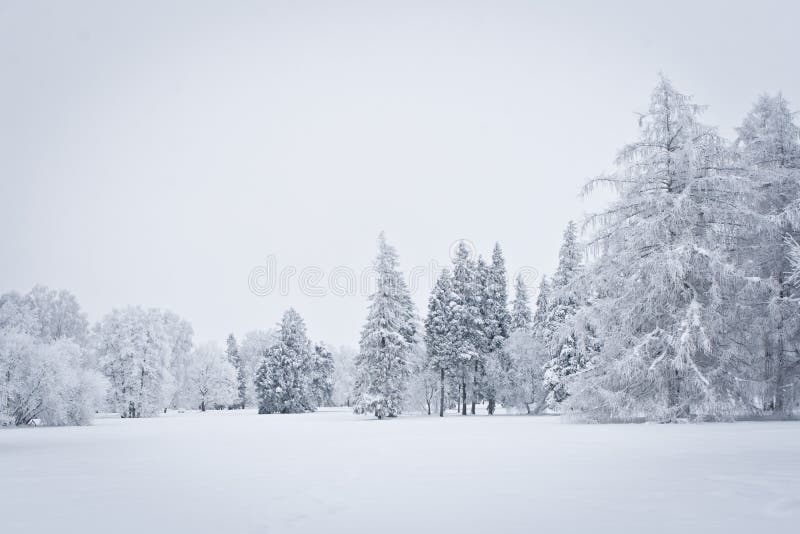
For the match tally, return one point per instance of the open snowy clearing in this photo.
(335, 472)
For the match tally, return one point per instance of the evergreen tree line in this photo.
(679, 301)
(459, 356)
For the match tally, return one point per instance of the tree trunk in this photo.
(474, 387)
(491, 406)
(781, 406)
(676, 408)
(441, 392)
(203, 406)
(463, 395)
(541, 404)
(768, 402)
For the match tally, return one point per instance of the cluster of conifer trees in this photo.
(681, 302)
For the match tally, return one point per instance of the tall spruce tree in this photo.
(466, 318)
(497, 295)
(283, 380)
(520, 308)
(562, 307)
(542, 305)
(440, 341)
(496, 328)
(322, 374)
(482, 332)
(382, 365)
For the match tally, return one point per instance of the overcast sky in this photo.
(156, 153)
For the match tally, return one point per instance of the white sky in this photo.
(154, 153)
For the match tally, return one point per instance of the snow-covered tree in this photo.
(557, 331)
(539, 321)
(179, 334)
(482, 335)
(467, 321)
(387, 340)
(134, 350)
(769, 144)
(46, 381)
(495, 326)
(45, 314)
(794, 259)
(524, 381)
(283, 380)
(662, 278)
(16, 314)
(251, 353)
(213, 377)
(440, 333)
(344, 373)
(46, 373)
(232, 352)
(520, 308)
(322, 375)
(423, 384)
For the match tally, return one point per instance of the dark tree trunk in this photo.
(474, 388)
(463, 395)
(781, 406)
(677, 409)
(441, 392)
(491, 406)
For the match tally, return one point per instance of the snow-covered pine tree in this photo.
(386, 340)
(466, 317)
(563, 304)
(232, 352)
(769, 144)
(482, 333)
(322, 375)
(662, 275)
(283, 380)
(496, 328)
(520, 308)
(539, 320)
(440, 342)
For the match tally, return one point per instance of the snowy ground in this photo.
(332, 472)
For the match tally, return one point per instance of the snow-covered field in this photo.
(332, 472)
